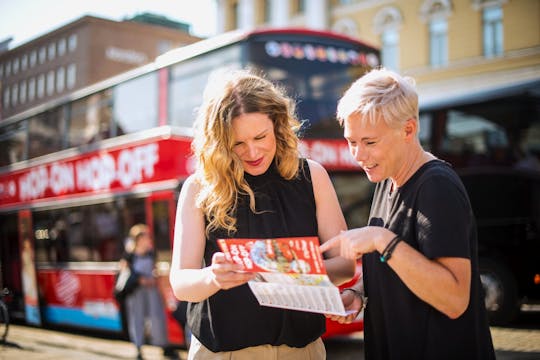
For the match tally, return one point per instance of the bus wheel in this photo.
(500, 292)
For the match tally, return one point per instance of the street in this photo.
(521, 341)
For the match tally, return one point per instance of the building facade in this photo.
(78, 54)
(451, 47)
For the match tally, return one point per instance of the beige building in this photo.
(453, 48)
(81, 53)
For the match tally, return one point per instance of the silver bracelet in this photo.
(360, 295)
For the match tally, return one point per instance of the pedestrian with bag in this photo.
(419, 248)
(145, 302)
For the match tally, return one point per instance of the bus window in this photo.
(188, 80)
(474, 137)
(91, 119)
(43, 132)
(86, 233)
(136, 104)
(13, 141)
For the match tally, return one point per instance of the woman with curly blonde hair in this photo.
(249, 182)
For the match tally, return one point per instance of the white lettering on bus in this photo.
(33, 184)
(62, 178)
(134, 165)
(323, 153)
(345, 156)
(96, 173)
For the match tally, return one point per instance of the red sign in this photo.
(108, 170)
(126, 167)
(333, 154)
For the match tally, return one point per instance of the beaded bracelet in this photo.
(389, 249)
(360, 295)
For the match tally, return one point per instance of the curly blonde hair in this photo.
(219, 171)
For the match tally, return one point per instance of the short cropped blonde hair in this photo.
(381, 93)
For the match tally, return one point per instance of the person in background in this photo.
(419, 248)
(145, 303)
(249, 182)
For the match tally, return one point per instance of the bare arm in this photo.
(444, 283)
(331, 222)
(189, 280)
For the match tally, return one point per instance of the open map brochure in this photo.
(291, 273)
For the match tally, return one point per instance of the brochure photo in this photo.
(291, 273)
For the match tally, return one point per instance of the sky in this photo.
(25, 20)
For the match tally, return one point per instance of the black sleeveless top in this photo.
(233, 319)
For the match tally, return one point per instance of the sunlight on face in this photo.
(374, 147)
(254, 142)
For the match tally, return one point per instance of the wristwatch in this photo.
(360, 295)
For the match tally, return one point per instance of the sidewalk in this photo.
(30, 343)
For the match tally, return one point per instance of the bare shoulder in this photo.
(318, 172)
(190, 188)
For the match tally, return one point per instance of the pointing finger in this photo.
(329, 244)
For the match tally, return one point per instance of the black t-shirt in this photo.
(233, 319)
(432, 213)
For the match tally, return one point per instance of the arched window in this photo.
(436, 13)
(387, 23)
(492, 25)
(346, 26)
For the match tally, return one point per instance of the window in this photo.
(15, 66)
(61, 47)
(163, 46)
(87, 233)
(235, 16)
(8, 68)
(22, 92)
(6, 98)
(72, 42)
(91, 119)
(71, 77)
(24, 62)
(14, 95)
(267, 11)
(346, 26)
(50, 82)
(301, 6)
(390, 49)
(13, 139)
(42, 54)
(438, 42)
(31, 89)
(136, 104)
(43, 132)
(52, 51)
(40, 86)
(1, 70)
(387, 23)
(188, 80)
(33, 58)
(435, 13)
(60, 79)
(493, 31)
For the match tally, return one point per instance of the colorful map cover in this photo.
(290, 273)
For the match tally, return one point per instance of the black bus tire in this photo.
(500, 292)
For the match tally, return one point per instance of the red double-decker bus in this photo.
(77, 173)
